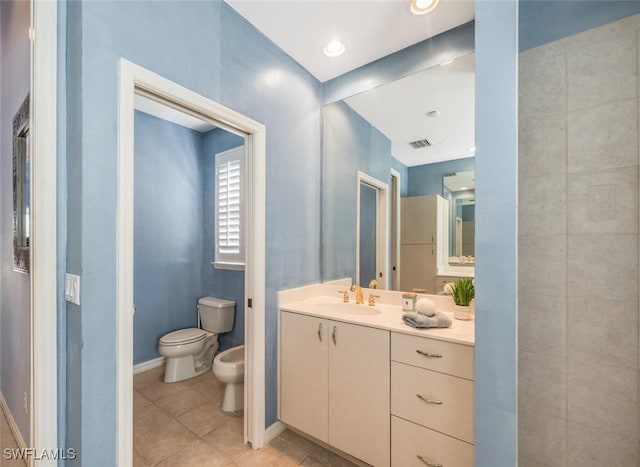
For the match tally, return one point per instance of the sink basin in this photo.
(348, 308)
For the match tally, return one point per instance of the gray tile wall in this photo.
(578, 250)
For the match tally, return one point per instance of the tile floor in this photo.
(7, 441)
(181, 424)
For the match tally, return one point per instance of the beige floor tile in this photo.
(181, 402)
(298, 441)
(148, 419)
(8, 441)
(204, 418)
(311, 462)
(326, 457)
(206, 376)
(197, 454)
(155, 375)
(228, 438)
(159, 390)
(162, 442)
(139, 401)
(138, 461)
(209, 388)
(277, 453)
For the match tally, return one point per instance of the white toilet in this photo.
(189, 352)
(228, 366)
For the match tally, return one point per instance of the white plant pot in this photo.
(462, 312)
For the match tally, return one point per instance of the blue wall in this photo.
(219, 282)
(167, 231)
(350, 143)
(496, 233)
(14, 286)
(208, 48)
(427, 179)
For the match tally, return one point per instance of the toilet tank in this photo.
(216, 314)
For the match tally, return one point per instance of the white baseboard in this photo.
(12, 423)
(148, 365)
(273, 431)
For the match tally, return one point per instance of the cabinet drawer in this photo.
(441, 402)
(408, 441)
(442, 356)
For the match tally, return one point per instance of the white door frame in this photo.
(397, 220)
(382, 227)
(134, 78)
(43, 407)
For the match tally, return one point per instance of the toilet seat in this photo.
(183, 336)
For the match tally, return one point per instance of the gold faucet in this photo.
(358, 290)
(372, 299)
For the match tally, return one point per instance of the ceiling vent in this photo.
(420, 143)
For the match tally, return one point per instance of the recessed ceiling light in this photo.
(464, 187)
(420, 7)
(334, 48)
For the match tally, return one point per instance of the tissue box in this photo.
(409, 301)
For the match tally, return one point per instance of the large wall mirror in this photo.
(421, 129)
(21, 189)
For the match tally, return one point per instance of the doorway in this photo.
(372, 249)
(137, 81)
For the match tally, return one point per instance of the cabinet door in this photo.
(418, 267)
(359, 392)
(419, 219)
(303, 373)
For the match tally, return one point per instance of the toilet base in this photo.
(233, 400)
(181, 368)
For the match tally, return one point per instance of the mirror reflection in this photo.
(409, 134)
(21, 189)
(459, 190)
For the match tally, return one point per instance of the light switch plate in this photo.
(72, 288)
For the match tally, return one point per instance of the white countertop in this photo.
(389, 318)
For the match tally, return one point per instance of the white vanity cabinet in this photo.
(432, 405)
(334, 384)
(304, 368)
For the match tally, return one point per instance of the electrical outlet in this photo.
(26, 403)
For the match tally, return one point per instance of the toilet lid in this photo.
(183, 336)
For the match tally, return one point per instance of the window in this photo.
(229, 205)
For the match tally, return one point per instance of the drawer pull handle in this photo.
(428, 354)
(320, 332)
(425, 462)
(335, 331)
(429, 401)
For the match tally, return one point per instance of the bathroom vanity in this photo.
(358, 379)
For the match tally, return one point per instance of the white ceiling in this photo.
(372, 29)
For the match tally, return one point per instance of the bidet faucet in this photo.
(358, 290)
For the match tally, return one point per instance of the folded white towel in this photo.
(425, 306)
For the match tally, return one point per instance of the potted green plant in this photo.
(462, 292)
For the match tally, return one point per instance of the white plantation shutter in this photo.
(230, 207)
